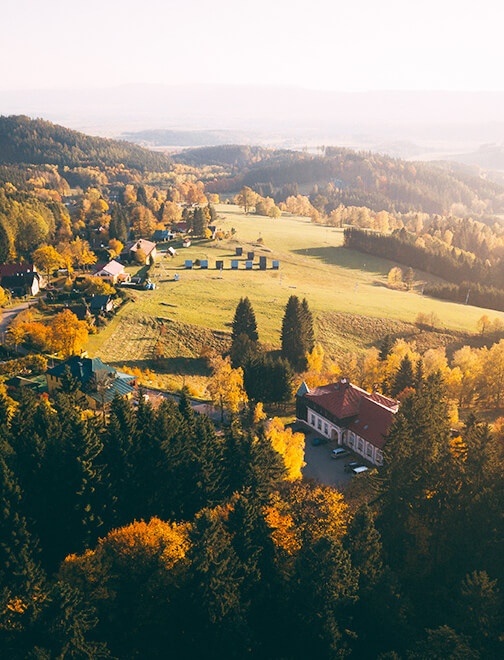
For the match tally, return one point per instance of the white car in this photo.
(359, 469)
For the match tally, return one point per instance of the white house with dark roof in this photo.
(349, 415)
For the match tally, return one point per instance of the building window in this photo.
(361, 444)
(369, 450)
(312, 417)
(319, 423)
(326, 430)
(379, 457)
(351, 441)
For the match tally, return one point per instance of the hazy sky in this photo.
(322, 44)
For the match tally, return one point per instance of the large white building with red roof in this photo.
(348, 415)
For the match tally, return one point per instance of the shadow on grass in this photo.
(182, 366)
(341, 256)
(176, 366)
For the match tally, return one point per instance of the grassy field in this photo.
(338, 284)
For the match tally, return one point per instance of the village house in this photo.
(348, 415)
(101, 304)
(97, 381)
(161, 235)
(111, 272)
(148, 248)
(21, 279)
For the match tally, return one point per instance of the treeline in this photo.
(381, 182)
(470, 293)
(450, 264)
(235, 558)
(25, 140)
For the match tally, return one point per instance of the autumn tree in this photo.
(226, 386)
(289, 445)
(67, 333)
(246, 198)
(47, 259)
(82, 253)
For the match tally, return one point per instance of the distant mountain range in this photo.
(407, 124)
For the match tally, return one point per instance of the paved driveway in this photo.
(320, 465)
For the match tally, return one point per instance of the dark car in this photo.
(318, 441)
(339, 453)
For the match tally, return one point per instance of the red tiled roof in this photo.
(372, 422)
(342, 399)
(368, 414)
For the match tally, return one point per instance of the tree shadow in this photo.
(184, 366)
(341, 256)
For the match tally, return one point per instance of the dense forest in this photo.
(25, 140)
(165, 535)
(361, 178)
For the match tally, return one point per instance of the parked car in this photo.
(350, 466)
(359, 469)
(318, 441)
(339, 453)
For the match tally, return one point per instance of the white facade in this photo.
(343, 437)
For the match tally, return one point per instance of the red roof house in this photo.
(349, 415)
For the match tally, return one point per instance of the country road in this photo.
(8, 315)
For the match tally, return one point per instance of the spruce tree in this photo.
(385, 348)
(20, 574)
(404, 377)
(244, 322)
(293, 340)
(141, 196)
(307, 326)
(419, 374)
(417, 458)
(216, 611)
(4, 244)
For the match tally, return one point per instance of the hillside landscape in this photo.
(190, 343)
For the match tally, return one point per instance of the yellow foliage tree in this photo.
(246, 198)
(317, 511)
(115, 247)
(289, 445)
(47, 259)
(67, 334)
(82, 253)
(226, 385)
(128, 556)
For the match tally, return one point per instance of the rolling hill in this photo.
(35, 141)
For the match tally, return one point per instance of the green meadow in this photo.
(314, 264)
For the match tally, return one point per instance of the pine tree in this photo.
(265, 469)
(141, 196)
(417, 459)
(244, 322)
(293, 339)
(404, 377)
(243, 351)
(385, 348)
(118, 442)
(216, 610)
(307, 326)
(419, 374)
(20, 574)
(4, 244)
